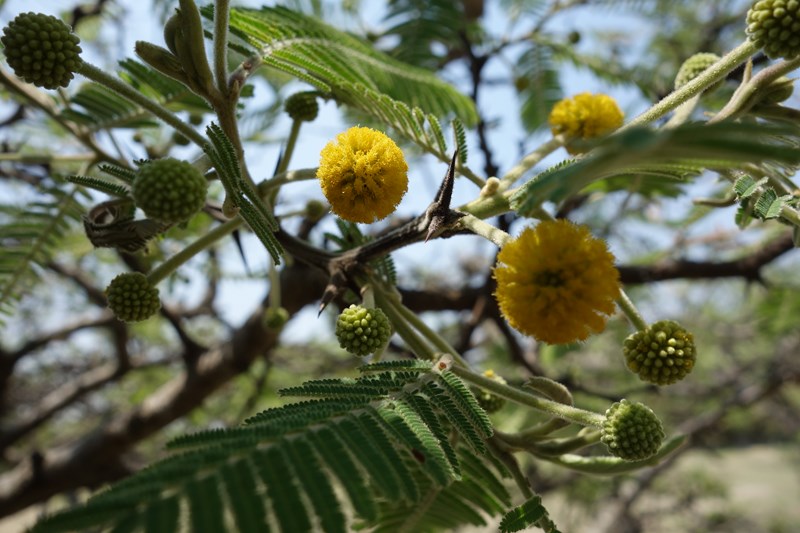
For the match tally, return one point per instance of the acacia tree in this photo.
(112, 226)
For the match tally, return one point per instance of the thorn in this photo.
(445, 192)
(439, 213)
(280, 160)
(237, 239)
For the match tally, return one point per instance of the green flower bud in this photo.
(774, 26)
(315, 209)
(491, 403)
(631, 431)
(275, 317)
(693, 67)
(302, 106)
(169, 190)
(661, 354)
(361, 331)
(778, 91)
(132, 298)
(42, 50)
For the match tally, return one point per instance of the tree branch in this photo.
(95, 459)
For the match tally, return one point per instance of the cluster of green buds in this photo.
(662, 353)
(491, 403)
(302, 106)
(132, 298)
(42, 50)
(693, 67)
(631, 431)
(362, 331)
(774, 26)
(169, 190)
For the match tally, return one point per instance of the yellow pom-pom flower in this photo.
(363, 174)
(585, 116)
(556, 282)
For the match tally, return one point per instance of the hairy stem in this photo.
(711, 75)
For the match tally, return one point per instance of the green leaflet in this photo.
(530, 513)
(240, 192)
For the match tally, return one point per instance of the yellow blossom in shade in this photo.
(585, 116)
(556, 282)
(363, 174)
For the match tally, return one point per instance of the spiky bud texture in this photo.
(361, 331)
(42, 50)
(661, 354)
(169, 190)
(302, 106)
(693, 67)
(774, 26)
(132, 298)
(631, 431)
(491, 403)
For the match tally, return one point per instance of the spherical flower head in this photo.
(774, 26)
(585, 116)
(42, 50)
(661, 354)
(302, 106)
(556, 282)
(631, 431)
(693, 67)
(363, 175)
(361, 331)
(132, 298)
(491, 403)
(169, 190)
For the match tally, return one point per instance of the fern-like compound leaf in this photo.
(205, 502)
(769, 204)
(101, 185)
(632, 152)
(424, 410)
(456, 417)
(406, 424)
(240, 192)
(316, 484)
(30, 235)
(243, 496)
(353, 72)
(369, 453)
(282, 489)
(163, 515)
(378, 449)
(332, 59)
(333, 452)
(467, 402)
(374, 425)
